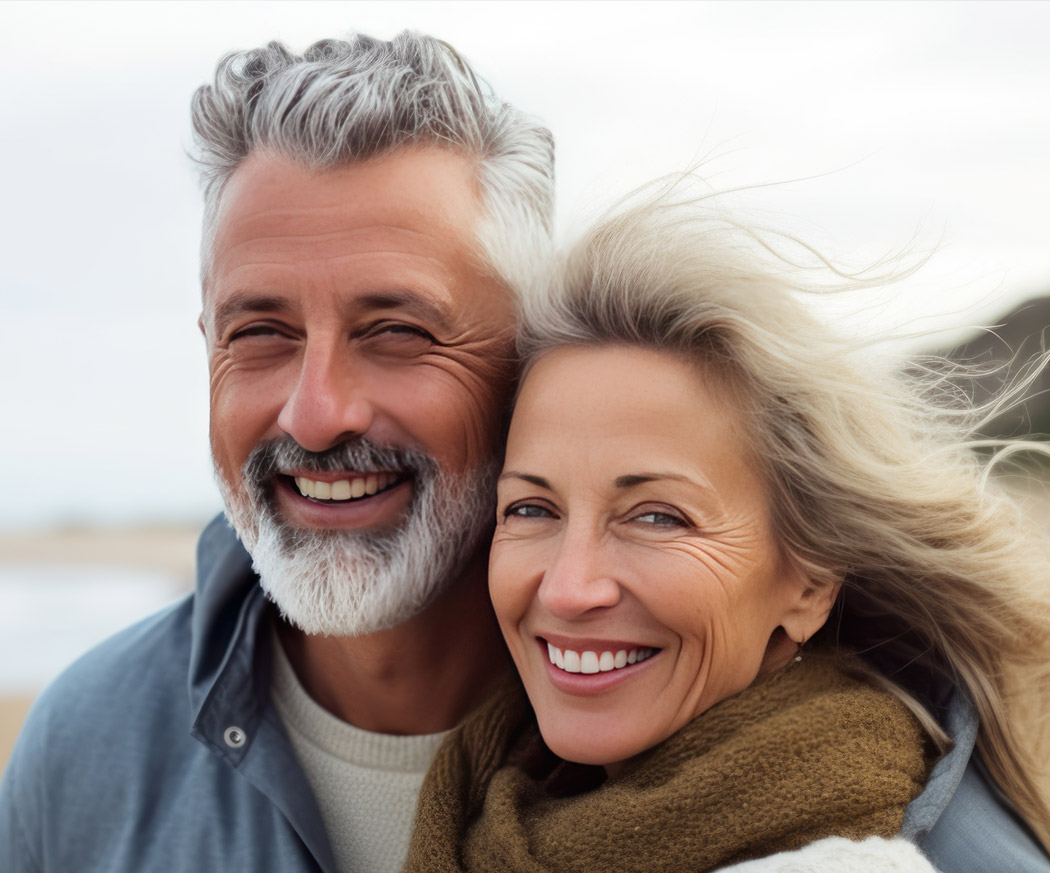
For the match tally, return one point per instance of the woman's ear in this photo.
(808, 604)
(808, 595)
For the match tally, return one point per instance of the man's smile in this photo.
(353, 487)
(345, 500)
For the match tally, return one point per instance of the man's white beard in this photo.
(350, 583)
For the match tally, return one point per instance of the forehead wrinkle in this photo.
(276, 246)
(339, 248)
(325, 232)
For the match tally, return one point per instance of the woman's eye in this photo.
(660, 519)
(527, 510)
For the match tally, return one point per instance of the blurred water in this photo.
(53, 613)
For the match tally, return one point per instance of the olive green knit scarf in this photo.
(806, 754)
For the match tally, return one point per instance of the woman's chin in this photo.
(595, 742)
(575, 753)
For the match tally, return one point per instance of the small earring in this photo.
(798, 653)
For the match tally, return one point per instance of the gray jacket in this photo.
(160, 750)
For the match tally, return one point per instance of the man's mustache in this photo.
(284, 455)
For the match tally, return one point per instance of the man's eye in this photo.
(408, 331)
(256, 330)
(397, 340)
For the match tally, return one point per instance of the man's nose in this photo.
(581, 577)
(329, 403)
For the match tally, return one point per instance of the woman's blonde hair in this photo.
(873, 475)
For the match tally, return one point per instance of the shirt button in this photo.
(234, 737)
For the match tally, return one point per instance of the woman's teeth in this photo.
(595, 662)
(345, 489)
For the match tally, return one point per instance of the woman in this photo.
(698, 475)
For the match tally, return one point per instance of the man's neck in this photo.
(420, 677)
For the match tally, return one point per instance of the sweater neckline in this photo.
(311, 722)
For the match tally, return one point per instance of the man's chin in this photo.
(334, 583)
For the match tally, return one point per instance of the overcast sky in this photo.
(924, 123)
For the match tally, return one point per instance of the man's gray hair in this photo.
(343, 101)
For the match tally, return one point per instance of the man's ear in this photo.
(203, 328)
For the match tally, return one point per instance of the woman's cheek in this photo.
(508, 581)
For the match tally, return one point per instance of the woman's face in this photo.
(633, 570)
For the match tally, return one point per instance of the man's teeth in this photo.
(595, 662)
(344, 489)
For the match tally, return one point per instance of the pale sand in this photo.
(12, 712)
(168, 550)
(171, 550)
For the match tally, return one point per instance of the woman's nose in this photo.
(329, 403)
(580, 578)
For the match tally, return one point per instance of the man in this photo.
(370, 210)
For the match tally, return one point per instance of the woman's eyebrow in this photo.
(527, 477)
(633, 479)
(705, 492)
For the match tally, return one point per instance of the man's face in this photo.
(345, 314)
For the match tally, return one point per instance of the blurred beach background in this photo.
(917, 125)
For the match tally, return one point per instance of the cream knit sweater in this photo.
(366, 784)
(836, 855)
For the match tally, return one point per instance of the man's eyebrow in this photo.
(248, 302)
(245, 302)
(527, 477)
(422, 306)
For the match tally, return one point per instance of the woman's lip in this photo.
(587, 684)
(592, 644)
(594, 670)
